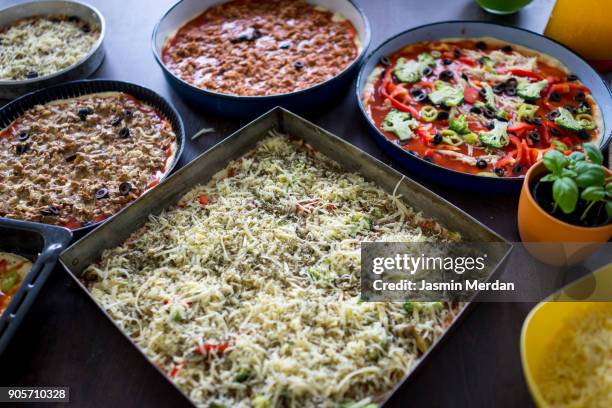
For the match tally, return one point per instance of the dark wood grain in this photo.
(66, 341)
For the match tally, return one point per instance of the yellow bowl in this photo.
(547, 319)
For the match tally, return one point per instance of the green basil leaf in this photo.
(549, 177)
(576, 156)
(565, 194)
(590, 175)
(568, 173)
(593, 153)
(593, 193)
(609, 189)
(555, 161)
(609, 208)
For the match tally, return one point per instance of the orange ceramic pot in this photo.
(548, 239)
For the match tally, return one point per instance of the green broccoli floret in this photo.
(489, 96)
(399, 123)
(566, 121)
(459, 124)
(497, 137)
(412, 70)
(530, 91)
(446, 94)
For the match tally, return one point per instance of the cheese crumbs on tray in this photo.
(246, 293)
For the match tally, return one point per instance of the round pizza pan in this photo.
(317, 96)
(82, 69)
(475, 29)
(16, 108)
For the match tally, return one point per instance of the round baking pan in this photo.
(82, 69)
(314, 97)
(475, 29)
(16, 108)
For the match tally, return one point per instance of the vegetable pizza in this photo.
(480, 106)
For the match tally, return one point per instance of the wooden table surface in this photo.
(65, 341)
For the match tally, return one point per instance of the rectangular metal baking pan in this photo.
(89, 249)
(39, 243)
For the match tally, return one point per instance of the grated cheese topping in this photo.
(246, 293)
(578, 369)
(39, 46)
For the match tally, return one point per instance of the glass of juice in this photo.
(503, 6)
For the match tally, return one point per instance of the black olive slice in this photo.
(554, 131)
(128, 114)
(512, 82)
(428, 71)
(446, 75)
(83, 112)
(125, 188)
(21, 149)
(298, 65)
(499, 88)
(488, 113)
(572, 78)
(475, 110)
(74, 19)
(437, 139)
(286, 45)
(552, 115)
(384, 60)
(555, 97)
(464, 76)
(584, 135)
(446, 61)
(580, 96)
(457, 53)
(86, 28)
(420, 97)
(442, 115)
(518, 169)
(510, 91)
(32, 75)
(70, 157)
(101, 193)
(536, 121)
(124, 133)
(23, 136)
(51, 210)
(507, 48)
(500, 171)
(416, 91)
(116, 121)
(482, 93)
(481, 45)
(534, 135)
(490, 125)
(481, 164)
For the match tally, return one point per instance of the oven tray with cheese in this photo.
(90, 249)
(40, 244)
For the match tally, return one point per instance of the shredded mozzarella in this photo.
(40, 46)
(247, 292)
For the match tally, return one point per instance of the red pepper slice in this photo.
(523, 73)
(520, 127)
(211, 347)
(470, 95)
(468, 61)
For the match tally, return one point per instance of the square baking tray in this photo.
(39, 243)
(115, 231)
